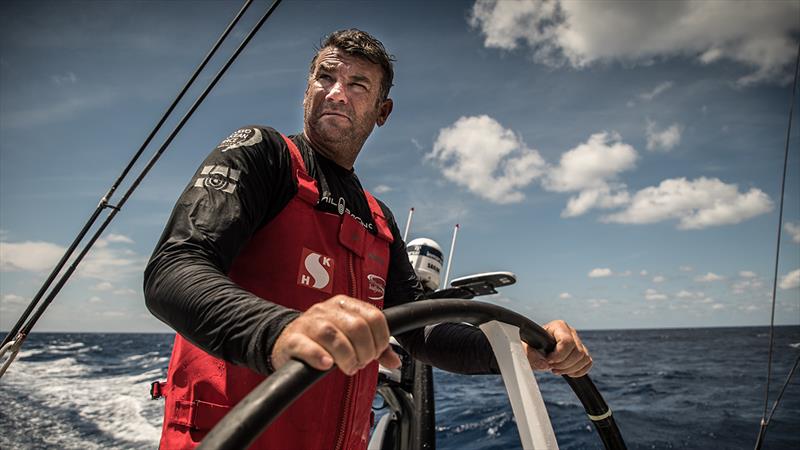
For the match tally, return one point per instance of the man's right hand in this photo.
(341, 330)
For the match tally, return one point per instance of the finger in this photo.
(375, 321)
(536, 360)
(358, 332)
(302, 347)
(327, 334)
(390, 359)
(579, 369)
(573, 358)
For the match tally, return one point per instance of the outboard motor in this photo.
(426, 259)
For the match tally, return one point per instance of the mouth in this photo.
(334, 113)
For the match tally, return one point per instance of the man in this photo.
(274, 251)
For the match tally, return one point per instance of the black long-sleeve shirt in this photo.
(243, 184)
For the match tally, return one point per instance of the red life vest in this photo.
(301, 257)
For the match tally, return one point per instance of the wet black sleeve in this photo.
(453, 347)
(241, 185)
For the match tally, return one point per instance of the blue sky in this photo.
(623, 159)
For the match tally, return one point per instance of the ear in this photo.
(385, 110)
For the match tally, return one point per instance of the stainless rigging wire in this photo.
(16, 337)
(764, 418)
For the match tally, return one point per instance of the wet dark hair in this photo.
(359, 43)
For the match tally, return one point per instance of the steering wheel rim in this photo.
(245, 422)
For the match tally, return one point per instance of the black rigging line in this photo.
(764, 418)
(22, 332)
(105, 199)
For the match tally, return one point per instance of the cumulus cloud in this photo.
(600, 273)
(13, 300)
(591, 169)
(747, 274)
(489, 160)
(102, 286)
(686, 268)
(756, 34)
(794, 231)
(665, 139)
(700, 203)
(658, 90)
(381, 189)
(29, 255)
(67, 78)
(709, 277)
(109, 259)
(659, 279)
(690, 295)
(653, 295)
(791, 280)
(565, 296)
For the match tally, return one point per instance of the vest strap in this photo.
(198, 415)
(377, 215)
(306, 185)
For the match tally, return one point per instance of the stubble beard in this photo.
(340, 144)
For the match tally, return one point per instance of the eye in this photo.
(359, 87)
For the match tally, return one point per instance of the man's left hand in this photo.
(570, 356)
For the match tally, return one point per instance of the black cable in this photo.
(764, 421)
(26, 330)
(104, 200)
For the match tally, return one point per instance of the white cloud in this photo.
(14, 300)
(591, 164)
(626, 273)
(565, 296)
(643, 273)
(489, 160)
(31, 256)
(709, 277)
(67, 78)
(600, 273)
(381, 189)
(756, 34)
(717, 306)
(591, 169)
(653, 295)
(597, 302)
(125, 291)
(106, 261)
(95, 299)
(416, 144)
(746, 285)
(649, 96)
(102, 286)
(791, 280)
(659, 279)
(697, 204)
(747, 274)
(794, 231)
(689, 295)
(686, 268)
(665, 139)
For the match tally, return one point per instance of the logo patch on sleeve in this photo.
(220, 178)
(316, 271)
(241, 138)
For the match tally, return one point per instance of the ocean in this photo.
(676, 388)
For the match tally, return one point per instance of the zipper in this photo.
(348, 394)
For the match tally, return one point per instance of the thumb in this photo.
(390, 359)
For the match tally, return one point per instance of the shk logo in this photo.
(377, 287)
(315, 271)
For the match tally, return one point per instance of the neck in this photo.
(342, 157)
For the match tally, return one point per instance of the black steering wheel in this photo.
(245, 422)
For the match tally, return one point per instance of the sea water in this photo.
(677, 388)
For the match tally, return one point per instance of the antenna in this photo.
(450, 257)
(408, 224)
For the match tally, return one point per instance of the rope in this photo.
(764, 421)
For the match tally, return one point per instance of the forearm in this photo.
(453, 347)
(194, 297)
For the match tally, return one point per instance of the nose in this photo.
(336, 93)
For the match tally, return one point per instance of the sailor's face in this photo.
(341, 104)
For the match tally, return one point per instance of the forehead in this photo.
(332, 58)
